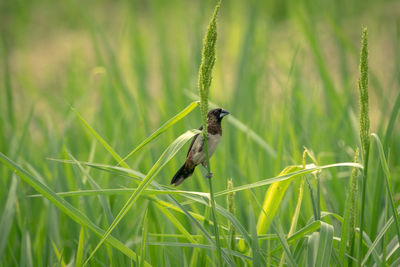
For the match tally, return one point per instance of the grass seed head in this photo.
(363, 93)
(206, 66)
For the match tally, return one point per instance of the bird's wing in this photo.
(194, 139)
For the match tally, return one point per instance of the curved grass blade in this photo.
(161, 162)
(99, 138)
(105, 167)
(177, 224)
(102, 199)
(58, 255)
(190, 245)
(260, 183)
(286, 177)
(388, 179)
(394, 218)
(391, 248)
(279, 232)
(288, 254)
(191, 216)
(65, 207)
(162, 129)
(121, 191)
(320, 246)
(302, 233)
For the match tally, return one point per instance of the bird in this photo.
(196, 152)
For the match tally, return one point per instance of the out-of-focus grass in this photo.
(286, 70)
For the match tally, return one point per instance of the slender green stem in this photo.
(214, 215)
(212, 200)
(364, 187)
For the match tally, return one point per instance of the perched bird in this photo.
(196, 153)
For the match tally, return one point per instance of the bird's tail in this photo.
(183, 173)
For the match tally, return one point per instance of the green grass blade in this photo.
(320, 246)
(162, 129)
(260, 183)
(7, 82)
(391, 248)
(388, 180)
(309, 228)
(272, 200)
(81, 246)
(295, 217)
(378, 183)
(284, 177)
(144, 238)
(122, 191)
(281, 235)
(302, 233)
(102, 199)
(255, 249)
(64, 206)
(26, 250)
(58, 255)
(177, 224)
(191, 216)
(277, 228)
(7, 217)
(111, 168)
(162, 161)
(202, 246)
(100, 139)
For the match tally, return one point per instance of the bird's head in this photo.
(217, 114)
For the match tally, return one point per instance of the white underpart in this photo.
(213, 141)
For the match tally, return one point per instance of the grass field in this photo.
(84, 84)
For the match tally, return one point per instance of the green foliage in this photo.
(72, 177)
(64, 206)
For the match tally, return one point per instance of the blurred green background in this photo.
(288, 70)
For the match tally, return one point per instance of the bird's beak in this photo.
(223, 113)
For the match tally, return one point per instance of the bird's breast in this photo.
(213, 141)
(198, 152)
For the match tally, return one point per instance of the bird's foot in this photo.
(209, 175)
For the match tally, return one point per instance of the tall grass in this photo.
(89, 185)
(205, 77)
(364, 129)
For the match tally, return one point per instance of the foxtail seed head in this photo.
(363, 93)
(206, 66)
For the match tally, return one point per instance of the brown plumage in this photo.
(196, 154)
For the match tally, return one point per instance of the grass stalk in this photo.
(364, 129)
(205, 78)
(230, 200)
(349, 218)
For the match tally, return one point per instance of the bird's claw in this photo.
(209, 175)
